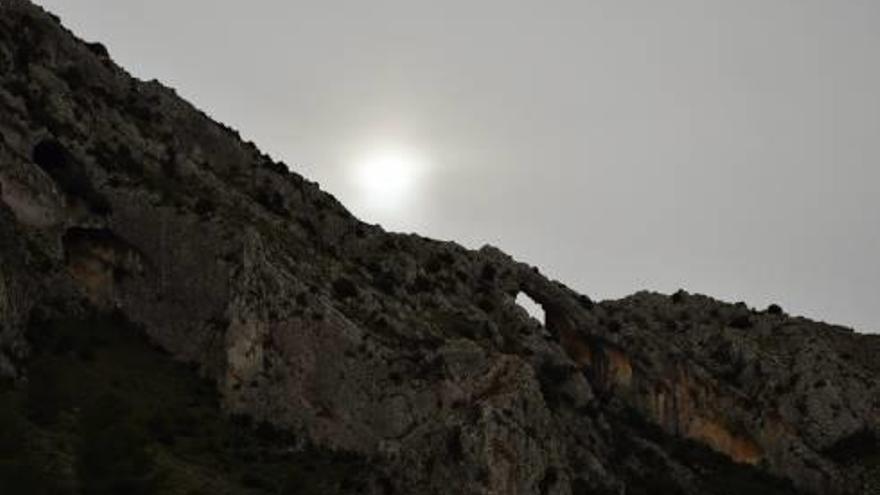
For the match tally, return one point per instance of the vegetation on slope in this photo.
(104, 412)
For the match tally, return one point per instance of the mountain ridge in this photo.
(119, 198)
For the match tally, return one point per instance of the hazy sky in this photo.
(727, 147)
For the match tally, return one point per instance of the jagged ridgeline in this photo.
(181, 314)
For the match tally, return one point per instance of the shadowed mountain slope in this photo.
(237, 330)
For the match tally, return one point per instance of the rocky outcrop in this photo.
(408, 351)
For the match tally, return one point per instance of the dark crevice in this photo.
(69, 175)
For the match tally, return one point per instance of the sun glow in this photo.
(388, 177)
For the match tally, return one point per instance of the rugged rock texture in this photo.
(118, 196)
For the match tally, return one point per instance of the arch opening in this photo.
(532, 307)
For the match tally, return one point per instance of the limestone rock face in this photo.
(119, 195)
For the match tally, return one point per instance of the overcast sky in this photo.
(727, 147)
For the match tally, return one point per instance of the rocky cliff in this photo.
(126, 211)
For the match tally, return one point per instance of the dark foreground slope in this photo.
(181, 314)
(103, 411)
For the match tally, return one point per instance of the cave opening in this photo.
(69, 175)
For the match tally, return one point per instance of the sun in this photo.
(387, 178)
